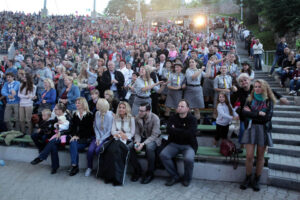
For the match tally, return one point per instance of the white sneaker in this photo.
(292, 92)
(88, 172)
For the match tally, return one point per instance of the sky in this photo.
(56, 7)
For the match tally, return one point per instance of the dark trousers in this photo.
(222, 132)
(51, 147)
(93, 149)
(39, 140)
(150, 155)
(170, 151)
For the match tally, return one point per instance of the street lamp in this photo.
(241, 10)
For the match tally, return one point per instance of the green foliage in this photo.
(165, 4)
(126, 7)
(266, 37)
(282, 14)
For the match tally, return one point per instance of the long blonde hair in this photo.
(83, 73)
(267, 92)
(102, 106)
(128, 110)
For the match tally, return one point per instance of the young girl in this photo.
(225, 115)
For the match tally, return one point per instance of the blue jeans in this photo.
(284, 75)
(74, 147)
(257, 61)
(170, 151)
(274, 63)
(292, 85)
(242, 130)
(51, 147)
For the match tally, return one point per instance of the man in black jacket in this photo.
(113, 80)
(181, 129)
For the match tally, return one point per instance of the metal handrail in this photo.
(268, 57)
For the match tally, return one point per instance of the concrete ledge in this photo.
(202, 170)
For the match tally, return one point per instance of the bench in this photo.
(203, 128)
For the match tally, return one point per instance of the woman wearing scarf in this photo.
(258, 112)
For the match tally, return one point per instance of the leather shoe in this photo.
(171, 181)
(147, 179)
(186, 183)
(74, 170)
(135, 177)
(36, 161)
(53, 171)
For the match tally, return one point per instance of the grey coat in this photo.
(151, 127)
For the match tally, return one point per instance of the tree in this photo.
(283, 15)
(126, 7)
(165, 4)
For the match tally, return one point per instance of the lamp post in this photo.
(94, 14)
(242, 10)
(138, 14)
(44, 10)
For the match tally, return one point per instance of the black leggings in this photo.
(222, 132)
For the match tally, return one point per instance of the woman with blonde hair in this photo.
(142, 87)
(69, 93)
(48, 97)
(117, 153)
(102, 127)
(81, 131)
(258, 112)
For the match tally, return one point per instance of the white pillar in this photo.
(94, 13)
(138, 14)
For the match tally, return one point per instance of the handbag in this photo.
(228, 148)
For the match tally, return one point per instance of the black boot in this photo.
(246, 183)
(256, 183)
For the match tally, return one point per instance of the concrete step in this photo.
(284, 179)
(280, 90)
(287, 129)
(284, 163)
(284, 149)
(288, 139)
(287, 108)
(285, 121)
(290, 114)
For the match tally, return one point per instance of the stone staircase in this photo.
(284, 162)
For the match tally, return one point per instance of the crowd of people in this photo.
(82, 76)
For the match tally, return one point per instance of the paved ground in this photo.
(22, 181)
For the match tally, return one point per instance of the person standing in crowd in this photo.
(26, 95)
(10, 90)
(142, 87)
(102, 128)
(113, 80)
(147, 132)
(223, 83)
(81, 131)
(48, 97)
(176, 85)
(41, 74)
(225, 115)
(258, 110)
(55, 138)
(181, 130)
(258, 51)
(193, 92)
(278, 54)
(69, 94)
(11, 68)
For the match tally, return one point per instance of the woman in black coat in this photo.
(81, 131)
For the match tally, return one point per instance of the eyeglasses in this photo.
(142, 111)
